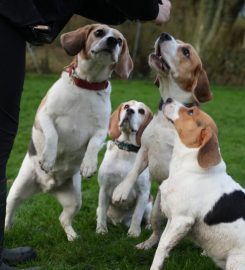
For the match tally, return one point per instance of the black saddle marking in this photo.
(228, 208)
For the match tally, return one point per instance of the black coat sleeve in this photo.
(118, 11)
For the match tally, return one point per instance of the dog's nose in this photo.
(169, 100)
(165, 37)
(130, 111)
(112, 42)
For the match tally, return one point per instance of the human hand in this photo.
(164, 12)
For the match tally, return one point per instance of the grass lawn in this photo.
(36, 223)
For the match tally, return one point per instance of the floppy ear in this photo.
(114, 131)
(208, 154)
(140, 131)
(200, 87)
(73, 42)
(125, 65)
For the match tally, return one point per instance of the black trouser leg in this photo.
(2, 211)
(12, 71)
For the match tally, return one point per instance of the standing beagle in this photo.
(71, 122)
(127, 124)
(180, 75)
(199, 198)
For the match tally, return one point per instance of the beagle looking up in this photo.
(180, 75)
(126, 127)
(199, 198)
(71, 122)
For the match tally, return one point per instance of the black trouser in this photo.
(12, 71)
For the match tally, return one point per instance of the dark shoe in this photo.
(6, 267)
(18, 255)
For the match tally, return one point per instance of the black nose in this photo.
(169, 100)
(130, 111)
(112, 42)
(165, 37)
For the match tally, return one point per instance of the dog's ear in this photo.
(200, 87)
(114, 131)
(73, 42)
(147, 120)
(208, 154)
(125, 65)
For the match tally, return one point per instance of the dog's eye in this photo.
(99, 33)
(126, 107)
(119, 41)
(190, 112)
(186, 52)
(141, 111)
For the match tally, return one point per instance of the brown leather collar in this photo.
(94, 86)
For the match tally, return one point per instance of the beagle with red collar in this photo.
(180, 75)
(71, 122)
(199, 198)
(127, 124)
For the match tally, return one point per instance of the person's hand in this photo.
(164, 12)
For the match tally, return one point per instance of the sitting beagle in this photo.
(180, 75)
(71, 122)
(199, 198)
(127, 124)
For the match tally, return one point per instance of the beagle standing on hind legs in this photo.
(180, 75)
(127, 124)
(71, 122)
(199, 198)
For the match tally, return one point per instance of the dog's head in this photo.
(178, 62)
(129, 118)
(105, 45)
(196, 129)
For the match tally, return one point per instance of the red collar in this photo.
(96, 86)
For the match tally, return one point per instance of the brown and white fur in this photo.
(71, 123)
(126, 127)
(180, 75)
(199, 198)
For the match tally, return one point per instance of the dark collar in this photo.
(127, 147)
(96, 86)
(188, 105)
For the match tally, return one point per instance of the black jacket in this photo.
(56, 13)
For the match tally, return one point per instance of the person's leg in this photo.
(12, 71)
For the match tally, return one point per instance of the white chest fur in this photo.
(158, 138)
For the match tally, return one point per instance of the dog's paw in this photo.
(46, 164)
(72, 237)
(149, 243)
(154, 267)
(204, 253)
(88, 168)
(134, 231)
(120, 193)
(101, 229)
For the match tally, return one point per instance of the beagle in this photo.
(71, 122)
(199, 198)
(127, 124)
(180, 75)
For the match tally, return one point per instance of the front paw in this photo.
(121, 193)
(88, 168)
(155, 267)
(101, 229)
(134, 231)
(46, 164)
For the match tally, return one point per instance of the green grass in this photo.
(36, 223)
